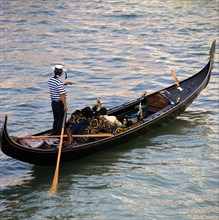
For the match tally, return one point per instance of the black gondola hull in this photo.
(191, 88)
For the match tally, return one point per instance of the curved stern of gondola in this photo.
(17, 151)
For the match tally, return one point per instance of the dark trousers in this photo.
(58, 115)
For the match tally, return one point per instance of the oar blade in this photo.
(53, 188)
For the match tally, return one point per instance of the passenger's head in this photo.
(103, 111)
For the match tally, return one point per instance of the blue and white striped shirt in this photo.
(56, 87)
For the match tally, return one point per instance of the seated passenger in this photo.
(112, 120)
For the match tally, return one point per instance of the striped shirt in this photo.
(56, 87)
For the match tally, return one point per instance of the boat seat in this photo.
(134, 113)
(151, 112)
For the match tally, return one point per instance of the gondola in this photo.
(159, 108)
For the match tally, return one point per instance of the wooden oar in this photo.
(53, 188)
(74, 136)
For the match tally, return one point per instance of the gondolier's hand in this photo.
(68, 83)
(65, 108)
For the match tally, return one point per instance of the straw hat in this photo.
(59, 67)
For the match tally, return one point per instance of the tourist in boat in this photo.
(112, 120)
(58, 97)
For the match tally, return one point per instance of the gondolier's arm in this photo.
(63, 98)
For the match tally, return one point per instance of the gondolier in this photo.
(58, 97)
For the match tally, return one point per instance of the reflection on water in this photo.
(115, 50)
